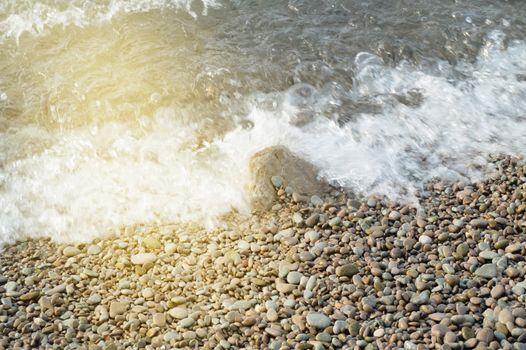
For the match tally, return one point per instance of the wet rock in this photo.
(279, 162)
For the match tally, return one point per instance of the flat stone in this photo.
(437, 316)
(318, 320)
(487, 271)
(488, 254)
(186, 322)
(159, 319)
(143, 258)
(117, 308)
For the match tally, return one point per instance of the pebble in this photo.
(159, 319)
(70, 251)
(143, 258)
(497, 291)
(347, 270)
(485, 335)
(487, 271)
(117, 308)
(94, 299)
(94, 249)
(294, 277)
(178, 313)
(423, 239)
(318, 320)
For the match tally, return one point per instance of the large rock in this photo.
(278, 166)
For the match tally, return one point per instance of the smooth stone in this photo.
(307, 256)
(294, 277)
(339, 326)
(94, 249)
(10, 286)
(70, 251)
(277, 181)
(170, 248)
(244, 246)
(450, 338)
(30, 296)
(143, 258)
(485, 335)
(487, 271)
(379, 333)
(94, 299)
(178, 313)
(467, 333)
(369, 301)
(148, 293)
(439, 330)
(488, 255)
(318, 320)
(189, 335)
(424, 239)
(186, 322)
(420, 298)
(478, 223)
(347, 270)
(159, 319)
(498, 291)
(462, 250)
(506, 316)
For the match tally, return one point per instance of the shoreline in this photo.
(340, 273)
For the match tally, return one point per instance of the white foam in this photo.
(36, 17)
(91, 179)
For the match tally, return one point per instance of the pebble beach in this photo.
(338, 272)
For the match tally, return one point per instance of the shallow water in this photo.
(120, 112)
